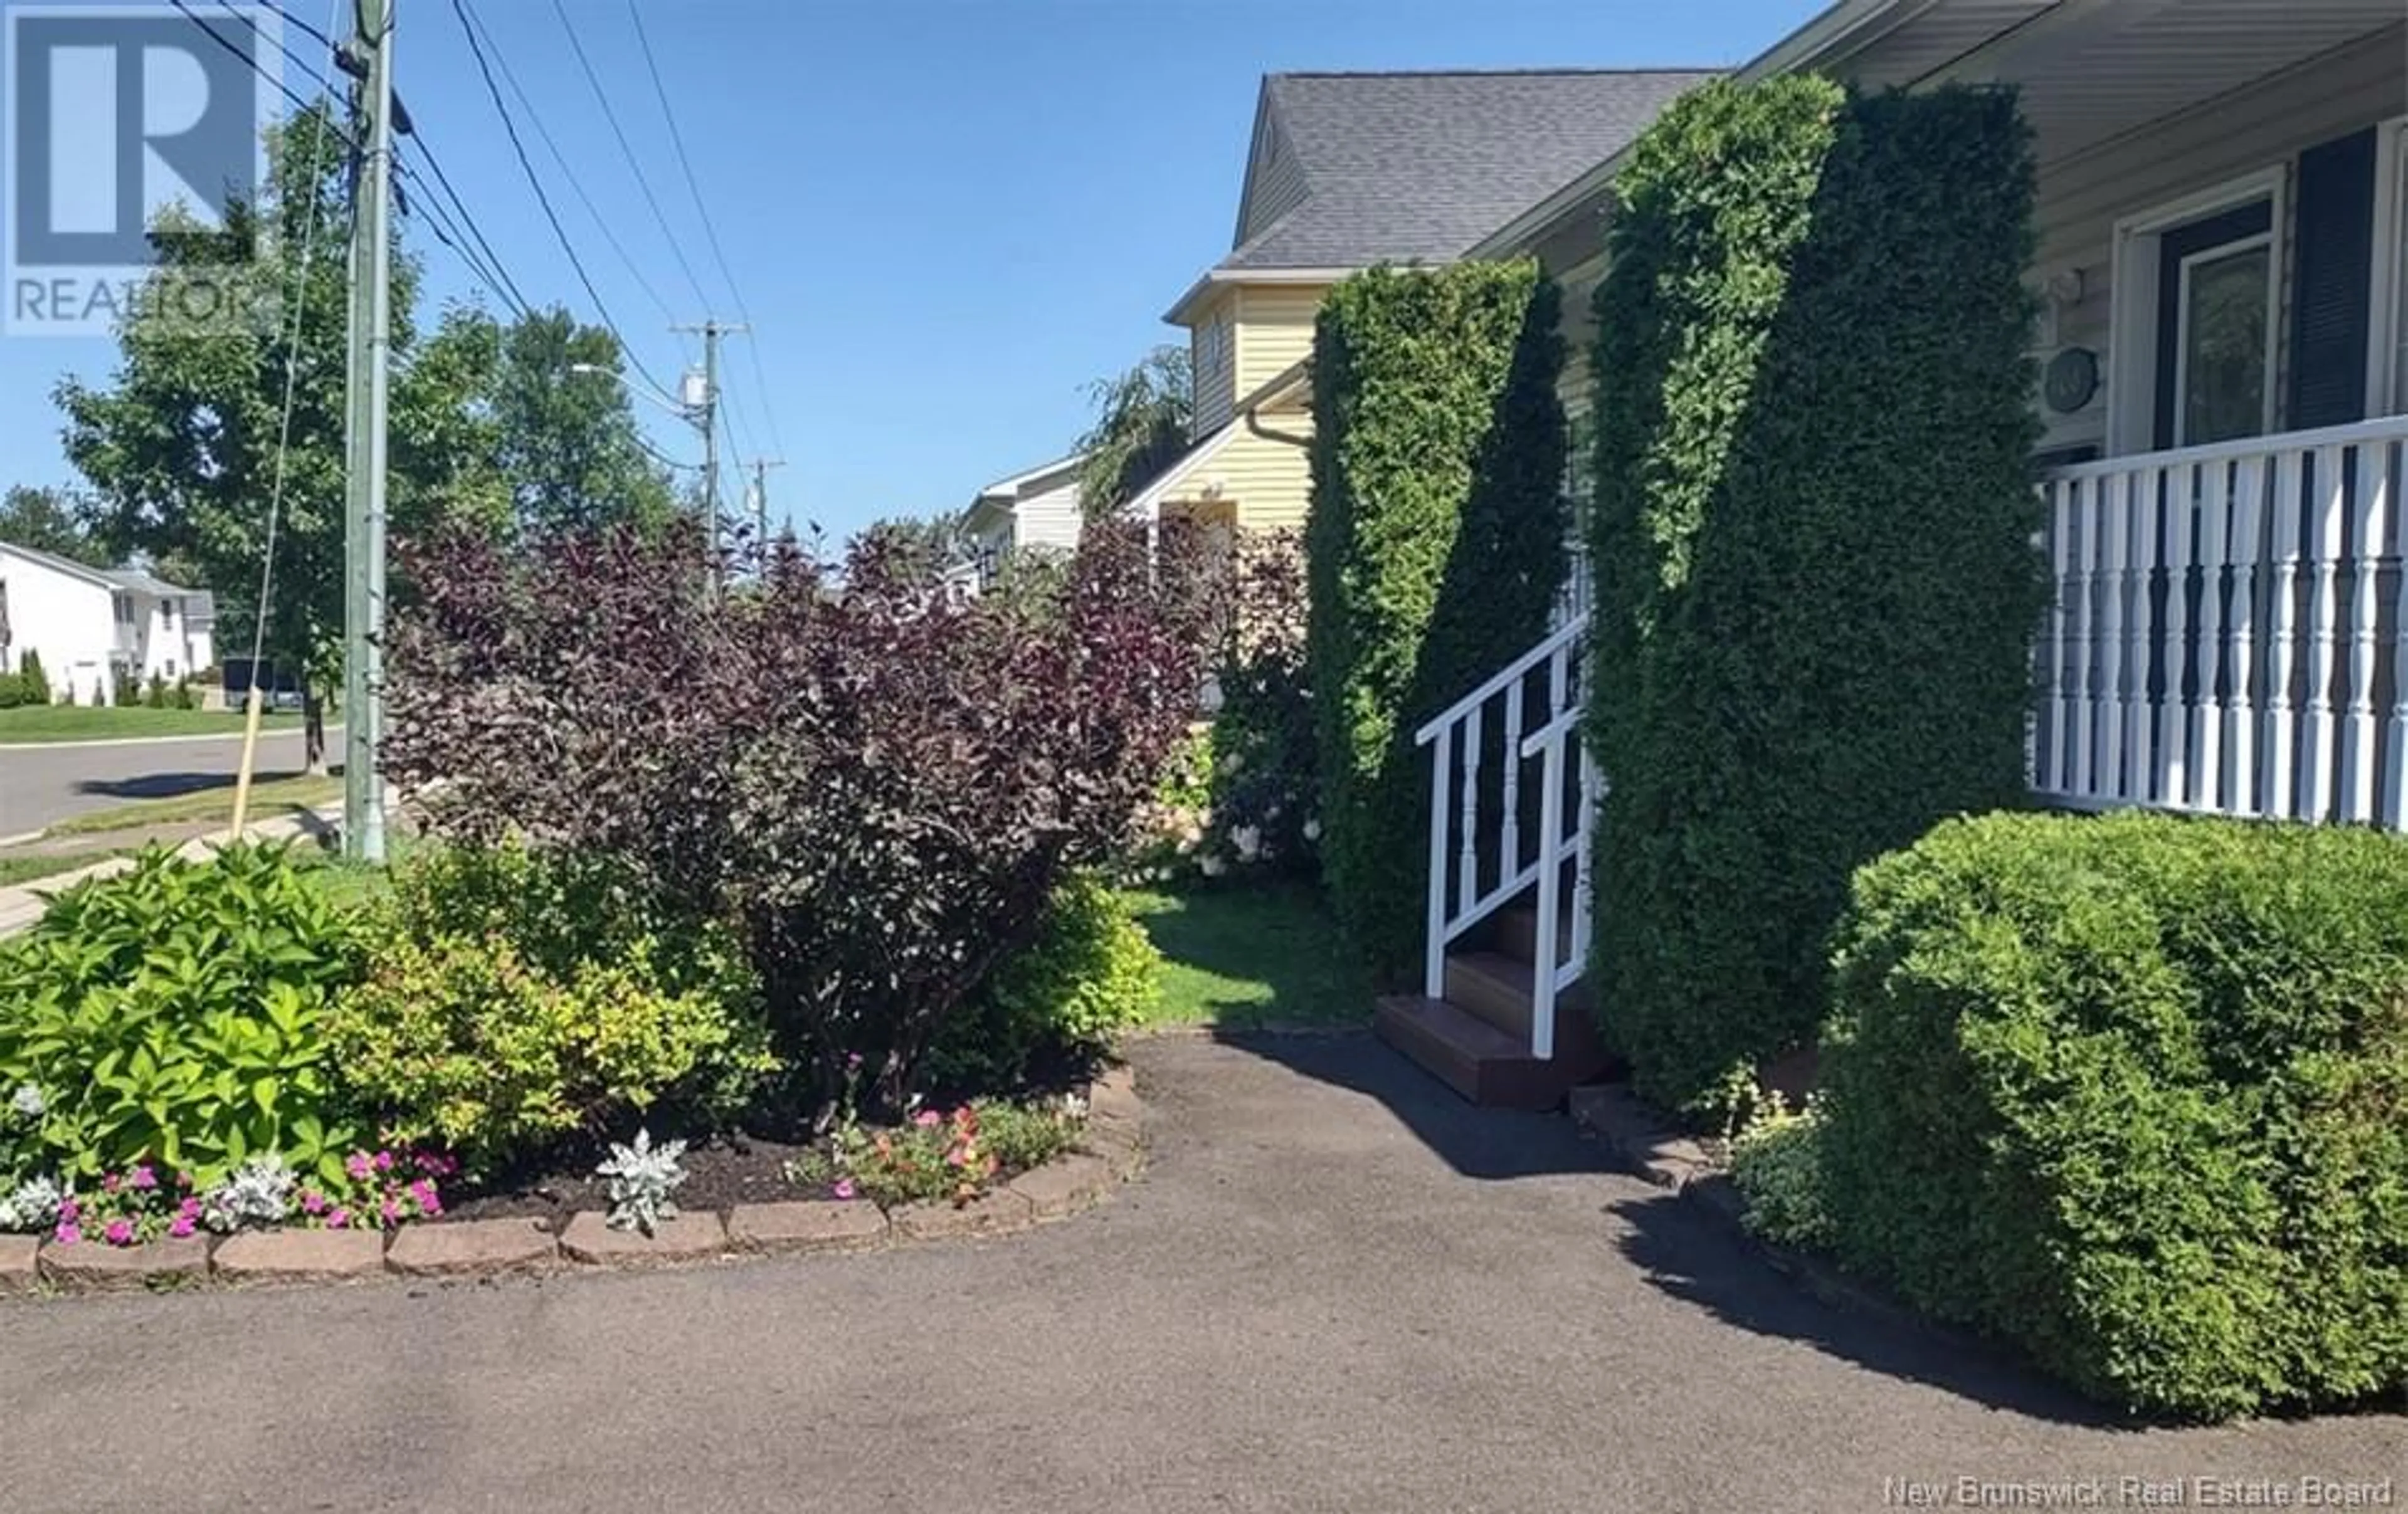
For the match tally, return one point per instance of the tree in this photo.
(550, 421)
(183, 449)
(46, 519)
(921, 548)
(1141, 428)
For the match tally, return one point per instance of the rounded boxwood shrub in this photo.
(1434, 549)
(2133, 1092)
(1811, 534)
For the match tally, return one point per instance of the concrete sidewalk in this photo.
(21, 903)
(1338, 1288)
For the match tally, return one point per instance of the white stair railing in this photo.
(1508, 746)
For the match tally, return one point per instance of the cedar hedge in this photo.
(1434, 547)
(2133, 1092)
(1812, 537)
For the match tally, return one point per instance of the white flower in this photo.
(27, 1101)
(1248, 840)
(1073, 1105)
(1211, 864)
(1313, 830)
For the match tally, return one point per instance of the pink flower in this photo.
(927, 1119)
(108, 1183)
(852, 1062)
(843, 1187)
(68, 1210)
(431, 1203)
(359, 1166)
(120, 1232)
(384, 1162)
(181, 1226)
(953, 1157)
(188, 1209)
(312, 1202)
(392, 1212)
(339, 1220)
(142, 1178)
(66, 1233)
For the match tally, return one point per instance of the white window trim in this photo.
(2387, 306)
(2182, 325)
(2132, 362)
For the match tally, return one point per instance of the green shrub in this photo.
(155, 694)
(1812, 537)
(1091, 973)
(183, 696)
(1776, 1162)
(12, 692)
(1265, 781)
(1435, 547)
(515, 997)
(2134, 1093)
(34, 680)
(176, 1013)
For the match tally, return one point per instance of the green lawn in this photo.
(1244, 955)
(16, 870)
(281, 797)
(83, 722)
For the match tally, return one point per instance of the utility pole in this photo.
(366, 395)
(705, 407)
(761, 466)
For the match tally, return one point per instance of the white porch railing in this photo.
(2228, 621)
(1508, 763)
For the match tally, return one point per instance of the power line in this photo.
(709, 232)
(526, 166)
(627, 151)
(446, 229)
(299, 102)
(577, 186)
(513, 297)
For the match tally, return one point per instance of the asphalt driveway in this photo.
(1336, 1289)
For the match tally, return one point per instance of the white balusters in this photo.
(2395, 774)
(1467, 884)
(2061, 716)
(2205, 788)
(1434, 936)
(2332, 498)
(1509, 844)
(2370, 493)
(2169, 729)
(2108, 695)
(2241, 634)
(2278, 796)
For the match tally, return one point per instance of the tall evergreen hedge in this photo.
(1435, 547)
(1812, 537)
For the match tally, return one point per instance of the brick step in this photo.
(1474, 1057)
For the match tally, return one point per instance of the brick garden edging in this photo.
(1107, 1154)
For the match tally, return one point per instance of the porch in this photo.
(2223, 279)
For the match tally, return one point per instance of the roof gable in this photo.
(59, 564)
(1353, 169)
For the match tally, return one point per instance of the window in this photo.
(2224, 350)
(168, 614)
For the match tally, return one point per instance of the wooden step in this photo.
(1517, 933)
(1474, 1057)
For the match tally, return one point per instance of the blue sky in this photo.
(945, 217)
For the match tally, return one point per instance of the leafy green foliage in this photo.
(1090, 974)
(32, 680)
(2133, 1092)
(49, 520)
(1264, 790)
(1776, 1160)
(177, 1012)
(1812, 539)
(1435, 545)
(1141, 427)
(935, 1158)
(516, 997)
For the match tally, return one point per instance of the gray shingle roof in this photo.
(1403, 167)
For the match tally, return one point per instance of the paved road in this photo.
(1336, 1289)
(40, 785)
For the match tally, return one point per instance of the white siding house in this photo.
(92, 627)
(1036, 509)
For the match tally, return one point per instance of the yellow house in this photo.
(1347, 171)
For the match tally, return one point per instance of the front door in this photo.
(2215, 328)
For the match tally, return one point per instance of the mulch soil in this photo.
(720, 1174)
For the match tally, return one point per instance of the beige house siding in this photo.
(1048, 520)
(2263, 126)
(1274, 330)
